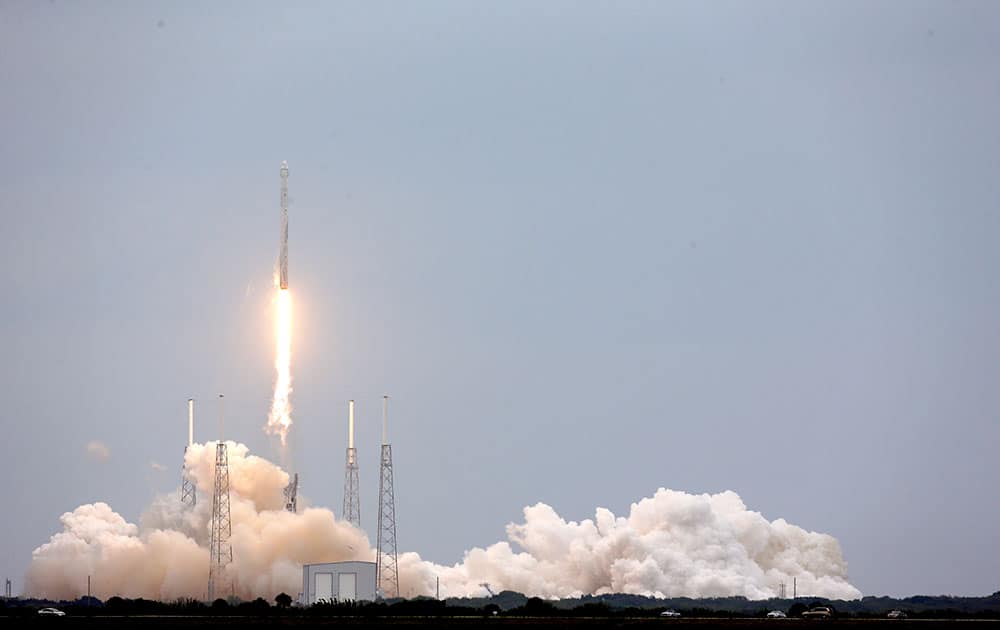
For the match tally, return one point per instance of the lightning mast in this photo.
(386, 573)
(352, 494)
(220, 550)
(188, 495)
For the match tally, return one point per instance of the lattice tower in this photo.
(386, 571)
(352, 493)
(220, 549)
(189, 495)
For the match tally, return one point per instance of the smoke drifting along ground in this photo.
(672, 544)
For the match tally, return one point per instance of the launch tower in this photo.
(352, 497)
(386, 573)
(292, 494)
(188, 495)
(220, 549)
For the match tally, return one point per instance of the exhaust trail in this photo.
(279, 420)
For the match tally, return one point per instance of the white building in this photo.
(338, 581)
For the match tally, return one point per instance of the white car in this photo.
(670, 613)
(51, 611)
(776, 614)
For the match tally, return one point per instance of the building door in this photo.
(347, 586)
(324, 587)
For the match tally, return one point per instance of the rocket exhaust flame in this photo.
(279, 421)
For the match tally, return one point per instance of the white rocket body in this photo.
(283, 255)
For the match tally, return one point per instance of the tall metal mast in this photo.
(188, 495)
(386, 572)
(220, 549)
(352, 494)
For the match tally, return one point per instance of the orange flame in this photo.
(279, 421)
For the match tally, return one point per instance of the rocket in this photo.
(283, 255)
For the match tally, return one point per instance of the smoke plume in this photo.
(166, 556)
(98, 451)
(671, 544)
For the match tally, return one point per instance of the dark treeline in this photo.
(510, 604)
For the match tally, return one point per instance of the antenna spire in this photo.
(188, 494)
(352, 493)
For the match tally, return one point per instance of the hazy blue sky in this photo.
(589, 248)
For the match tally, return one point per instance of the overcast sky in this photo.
(590, 249)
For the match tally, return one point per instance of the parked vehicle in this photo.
(776, 614)
(897, 614)
(818, 612)
(670, 613)
(55, 612)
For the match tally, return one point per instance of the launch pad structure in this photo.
(292, 494)
(386, 571)
(352, 493)
(189, 496)
(220, 551)
(220, 582)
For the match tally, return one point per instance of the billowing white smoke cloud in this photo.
(166, 556)
(673, 544)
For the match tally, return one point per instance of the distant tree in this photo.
(283, 600)
(115, 602)
(592, 609)
(219, 605)
(258, 606)
(537, 607)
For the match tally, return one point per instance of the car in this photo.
(55, 612)
(818, 612)
(897, 614)
(776, 614)
(670, 613)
